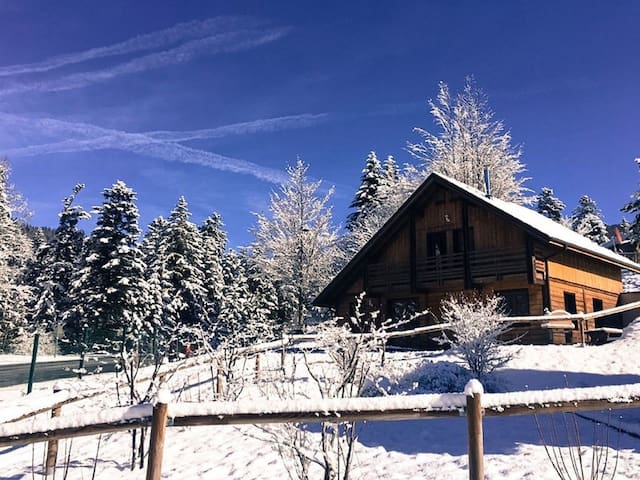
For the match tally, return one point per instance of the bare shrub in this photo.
(476, 324)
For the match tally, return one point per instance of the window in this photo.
(458, 240)
(597, 304)
(402, 309)
(515, 302)
(570, 302)
(436, 244)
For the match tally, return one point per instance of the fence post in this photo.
(283, 353)
(473, 390)
(257, 366)
(156, 442)
(32, 368)
(219, 383)
(52, 445)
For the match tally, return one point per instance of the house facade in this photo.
(449, 237)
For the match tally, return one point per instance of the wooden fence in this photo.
(420, 406)
(473, 405)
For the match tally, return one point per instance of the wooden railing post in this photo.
(257, 366)
(156, 442)
(219, 383)
(283, 353)
(52, 445)
(473, 391)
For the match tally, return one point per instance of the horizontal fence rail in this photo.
(398, 407)
(15, 411)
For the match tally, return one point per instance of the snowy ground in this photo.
(432, 449)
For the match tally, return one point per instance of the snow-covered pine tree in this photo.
(366, 198)
(586, 220)
(391, 171)
(396, 187)
(470, 140)
(214, 244)
(296, 245)
(15, 252)
(265, 315)
(56, 263)
(160, 316)
(548, 205)
(634, 207)
(185, 272)
(234, 309)
(109, 293)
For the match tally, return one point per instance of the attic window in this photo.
(436, 244)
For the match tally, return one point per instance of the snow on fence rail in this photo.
(26, 409)
(395, 407)
(472, 404)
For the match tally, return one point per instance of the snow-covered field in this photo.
(432, 449)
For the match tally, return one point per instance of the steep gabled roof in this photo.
(537, 225)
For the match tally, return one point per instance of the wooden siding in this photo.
(484, 251)
(491, 231)
(586, 278)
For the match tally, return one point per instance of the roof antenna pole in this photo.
(487, 182)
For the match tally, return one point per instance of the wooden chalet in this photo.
(449, 237)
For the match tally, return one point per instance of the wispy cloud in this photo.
(213, 36)
(158, 144)
(149, 41)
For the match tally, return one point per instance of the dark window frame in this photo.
(570, 304)
(597, 304)
(516, 302)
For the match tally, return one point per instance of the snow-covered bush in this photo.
(350, 360)
(476, 323)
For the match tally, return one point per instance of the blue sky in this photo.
(212, 100)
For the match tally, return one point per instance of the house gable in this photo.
(448, 237)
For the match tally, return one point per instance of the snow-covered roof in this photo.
(555, 231)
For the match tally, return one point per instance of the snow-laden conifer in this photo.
(109, 292)
(470, 140)
(160, 316)
(296, 243)
(56, 264)
(366, 197)
(185, 269)
(15, 253)
(214, 244)
(549, 205)
(393, 191)
(586, 220)
(633, 206)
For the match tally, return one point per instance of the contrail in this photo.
(159, 144)
(221, 43)
(149, 41)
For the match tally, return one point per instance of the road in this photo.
(18, 373)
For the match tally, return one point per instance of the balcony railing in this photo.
(492, 264)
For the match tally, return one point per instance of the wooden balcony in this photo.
(484, 265)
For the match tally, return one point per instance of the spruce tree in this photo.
(548, 205)
(234, 309)
(634, 207)
(366, 197)
(56, 263)
(160, 316)
(586, 220)
(185, 273)
(214, 244)
(109, 292)
(15, 252)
